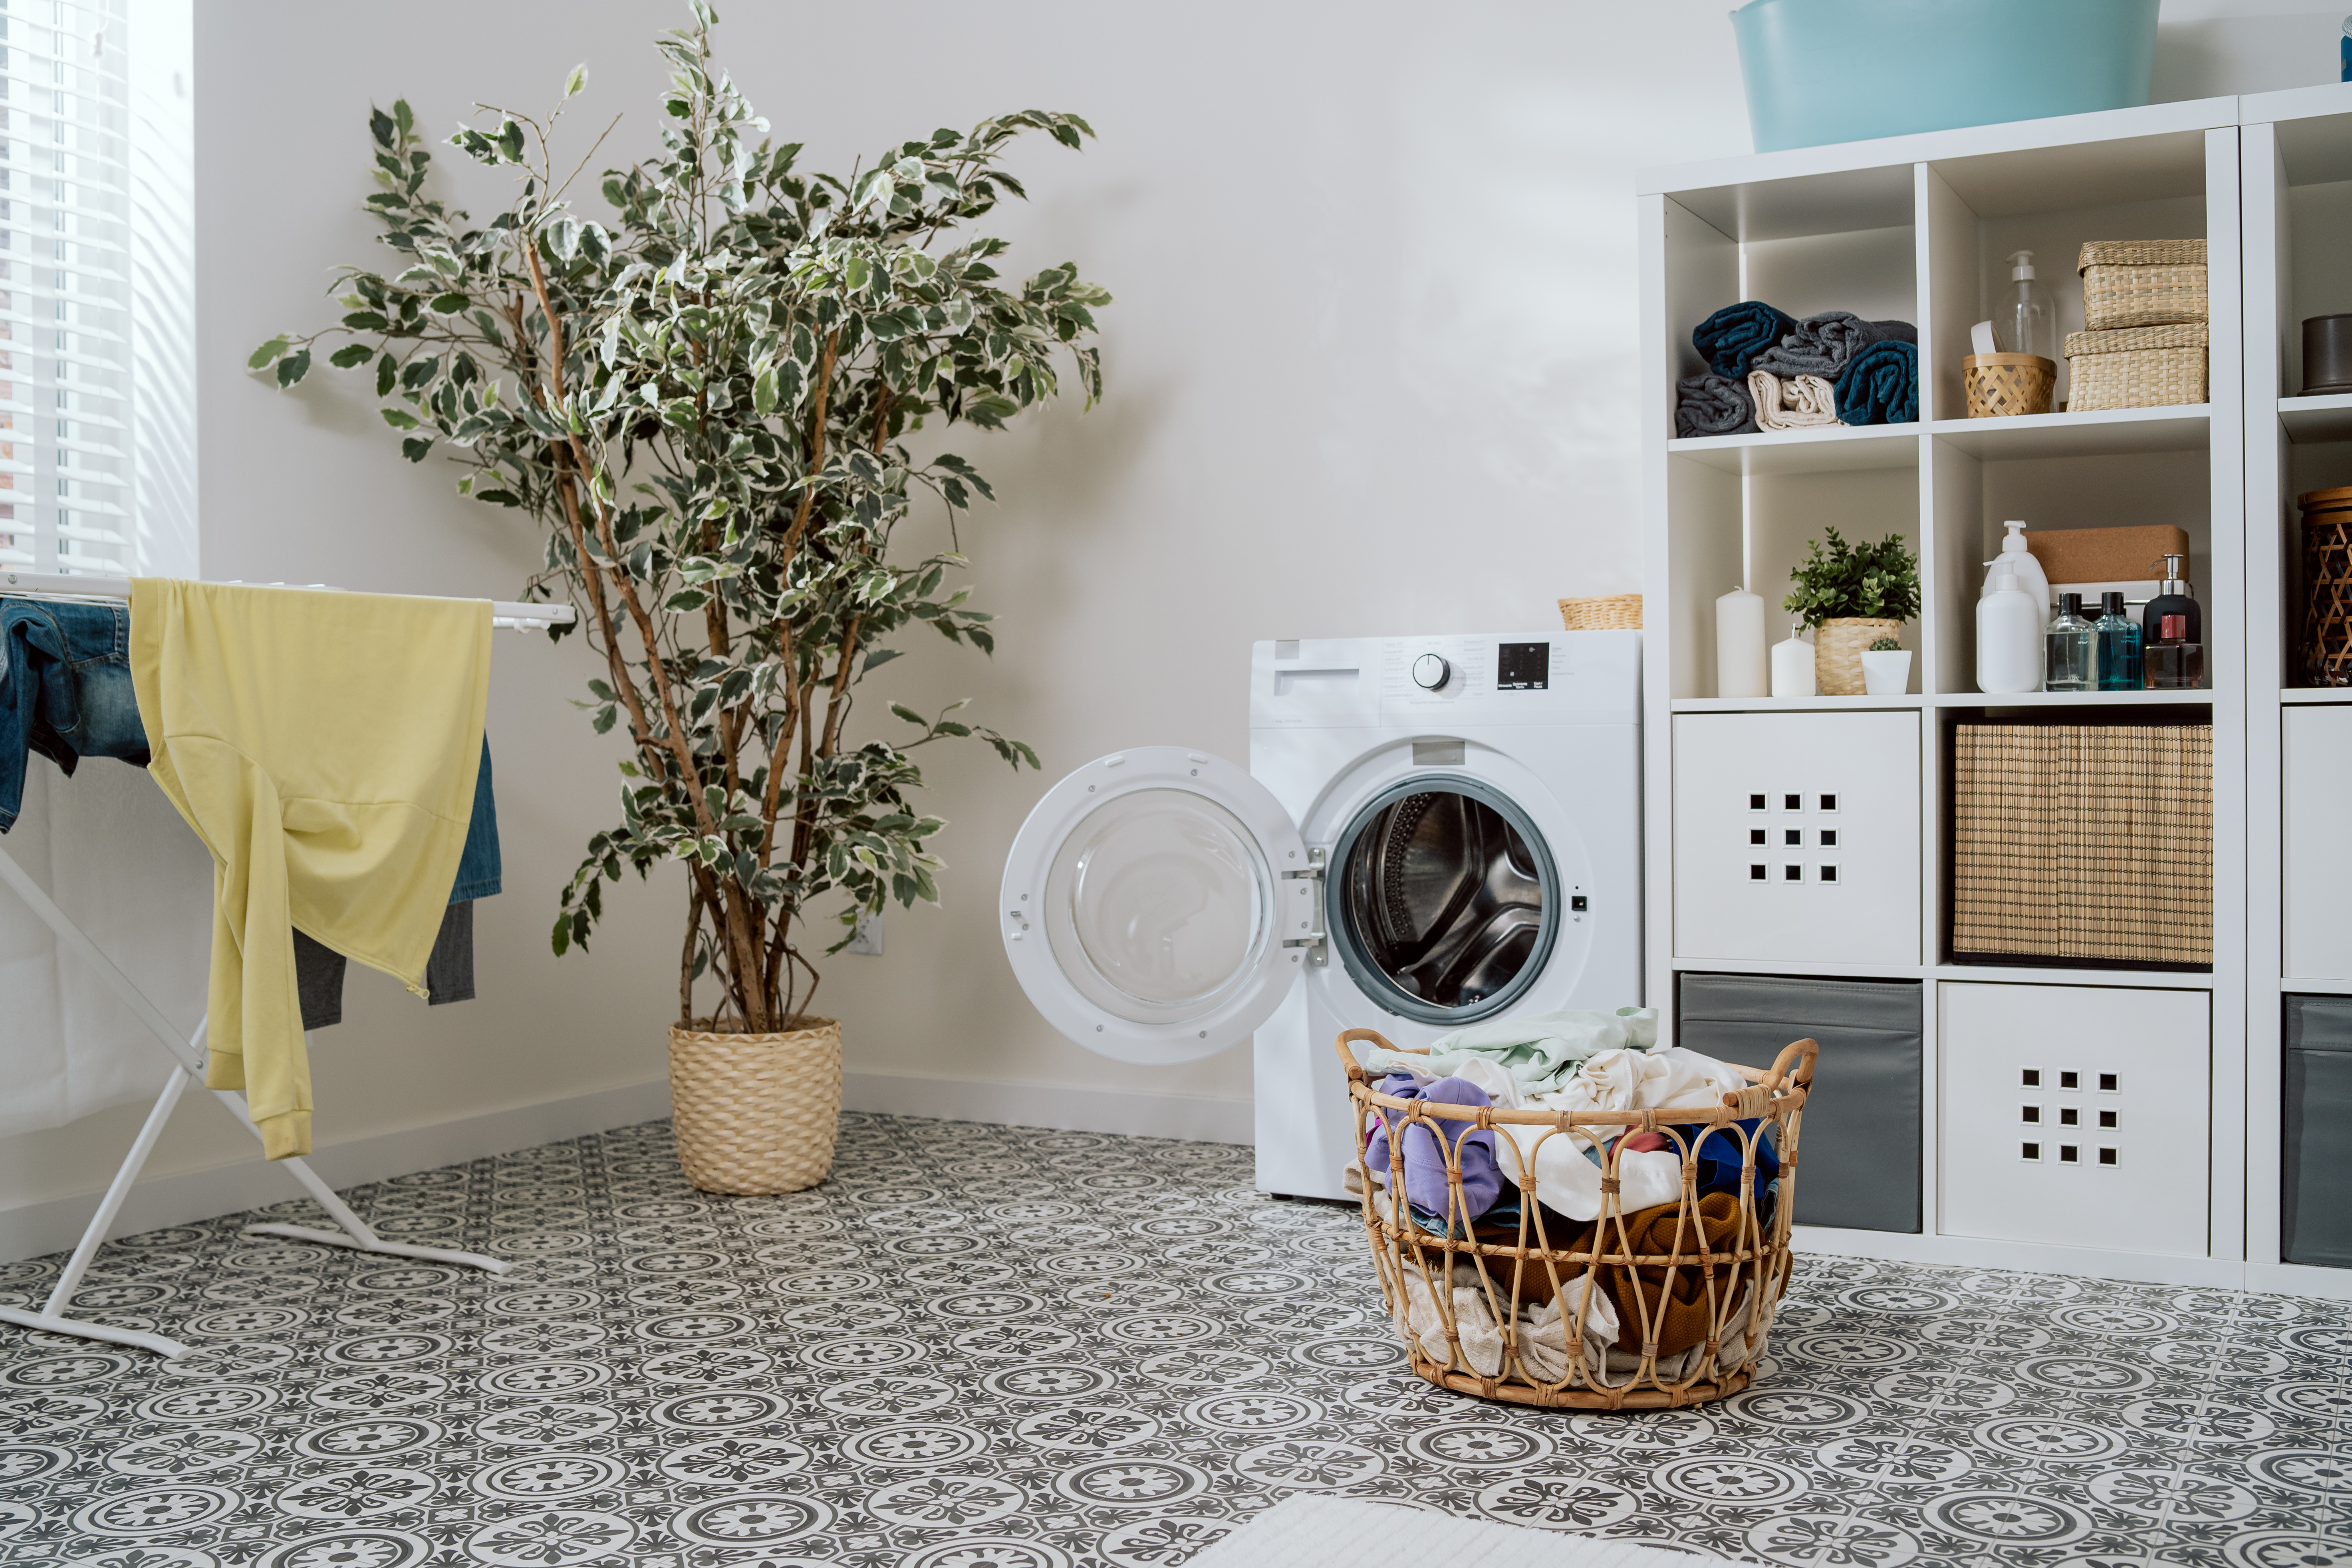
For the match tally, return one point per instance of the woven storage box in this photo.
(2142, 283)
(2143, 367)
(2326, 587)
(1608, 613)
(756, 1114)
(2089, 843)
(1692, 1317)
(2000, 386)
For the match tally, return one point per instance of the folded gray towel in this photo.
(1712, 404)
(1822, 345)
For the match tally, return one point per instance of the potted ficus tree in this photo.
(1853, 595)
(703, 401)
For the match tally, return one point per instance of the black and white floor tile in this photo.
(994, 1347)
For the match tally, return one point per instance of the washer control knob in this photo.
(1431, 672)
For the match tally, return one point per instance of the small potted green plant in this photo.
(1853, 595)
(1887, 668)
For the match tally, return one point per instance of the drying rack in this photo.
(188, 1055)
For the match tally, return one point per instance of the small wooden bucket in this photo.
(2000, 385)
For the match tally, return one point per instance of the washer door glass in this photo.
(1447, 901)
(1158, 905)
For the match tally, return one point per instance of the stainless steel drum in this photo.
(1444, 900)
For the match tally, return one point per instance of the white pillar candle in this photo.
(1792, 666)
(1740, 645)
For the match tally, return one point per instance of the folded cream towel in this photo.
(1791, 403)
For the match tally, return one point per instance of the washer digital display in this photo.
(1523, 667)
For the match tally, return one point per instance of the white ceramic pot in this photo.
(1886, 674)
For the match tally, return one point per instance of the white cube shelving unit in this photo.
(2297, 150)
(1918, 228)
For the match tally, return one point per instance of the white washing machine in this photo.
(1432, 831)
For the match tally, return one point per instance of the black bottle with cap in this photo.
(2173, 599)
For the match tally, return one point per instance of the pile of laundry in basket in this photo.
(1568, 1061)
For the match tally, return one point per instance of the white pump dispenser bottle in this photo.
(2028, 320)
(2016, 559)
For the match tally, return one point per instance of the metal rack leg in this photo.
(51, 1318)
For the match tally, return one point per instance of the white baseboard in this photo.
(1972, 1252)
(185, 1197)
(1201, 1118)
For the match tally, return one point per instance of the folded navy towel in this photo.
(1825, 345)
(1730, 340)
(1713, 405)
(1881, 386)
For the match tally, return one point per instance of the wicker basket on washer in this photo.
(1606, 613)
(2142, 283)
(1741, 1286)
(2139, 367)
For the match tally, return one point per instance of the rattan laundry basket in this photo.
(1607, 613)
(756, 1114)
(1490, 1350)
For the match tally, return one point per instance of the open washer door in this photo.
(1156, 906)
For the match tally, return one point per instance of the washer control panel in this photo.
(1431, 671)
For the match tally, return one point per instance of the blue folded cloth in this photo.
(1712, 404)
(1730, 340)
(1881, 386)
(1825, 345)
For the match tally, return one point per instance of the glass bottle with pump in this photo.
(2028, 322)
(2173, 599)
(2072, 654)
(2118, 650)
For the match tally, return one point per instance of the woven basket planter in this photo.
(2144, 367)
(2002, 385)
(756, 1114)
(1608, 613)
(1693, 1318)
(1838, 648)
(2327, 649)
(2044, 815)
(2141, 283)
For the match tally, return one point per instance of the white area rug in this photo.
(1305, 1531)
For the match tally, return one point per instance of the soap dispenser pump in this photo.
(2028, 319)
(2016, 559)
(2176, 598)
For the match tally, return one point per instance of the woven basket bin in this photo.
(2326, 647)
(1838, 646)
(2142, 282)
(756, 1114)
(2146, 367)
(2002, 385)
(1608, 613)
(1456, 1299)
(2087, 843)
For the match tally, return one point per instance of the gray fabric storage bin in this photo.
(1858, 1153)
(2316, 1202)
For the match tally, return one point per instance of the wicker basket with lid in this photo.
(2142, 283)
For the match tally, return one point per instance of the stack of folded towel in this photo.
(1766, 370)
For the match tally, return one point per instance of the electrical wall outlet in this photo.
(868, 938)
(2076, 1115)
(1797, 837)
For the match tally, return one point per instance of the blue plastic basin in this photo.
(1846, 70)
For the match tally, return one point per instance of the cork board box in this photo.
(2105, 554)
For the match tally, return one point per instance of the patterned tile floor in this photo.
(994, 1347)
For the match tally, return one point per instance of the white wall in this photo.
(1370, 369)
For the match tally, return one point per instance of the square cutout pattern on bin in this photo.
(1824, 874)
(2031, 1114)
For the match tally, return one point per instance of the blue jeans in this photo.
(65, 691)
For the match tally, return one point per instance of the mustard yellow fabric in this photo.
(324, 747)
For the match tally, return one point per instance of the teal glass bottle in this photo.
(2118, 648)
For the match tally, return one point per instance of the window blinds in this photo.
(96, 297)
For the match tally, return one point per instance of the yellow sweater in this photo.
(324, 747)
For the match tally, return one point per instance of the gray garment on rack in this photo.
(448, 974)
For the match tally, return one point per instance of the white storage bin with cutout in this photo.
(2077, 1116)
(1797, 837)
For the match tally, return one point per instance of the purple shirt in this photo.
(1424, 1156)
